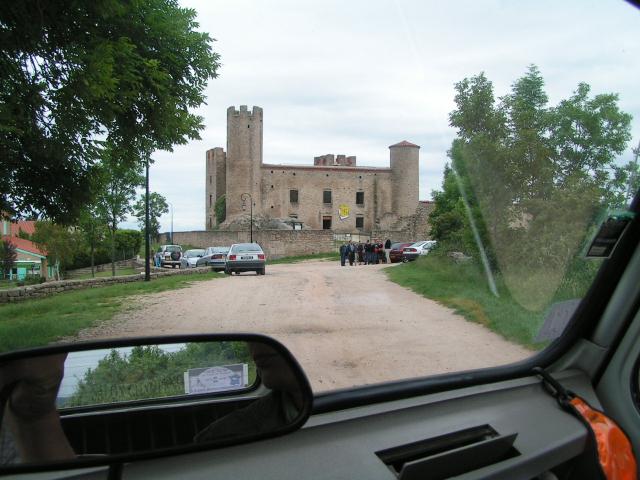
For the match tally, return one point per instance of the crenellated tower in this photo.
(243, 158)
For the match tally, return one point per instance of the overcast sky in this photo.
(353, 77)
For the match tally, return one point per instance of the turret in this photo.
(405, 162)
(244, 156)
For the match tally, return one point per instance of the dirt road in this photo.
(346, 325)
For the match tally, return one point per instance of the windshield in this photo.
(194, 253)
(319, 137)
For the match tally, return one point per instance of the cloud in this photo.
(354, 77)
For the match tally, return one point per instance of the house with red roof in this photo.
(31, 259)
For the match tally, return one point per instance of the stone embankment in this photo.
(48, 289)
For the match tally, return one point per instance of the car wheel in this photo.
(405, 260)
(261, 272)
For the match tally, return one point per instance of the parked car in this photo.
(190, 258)
(395, 255)
(245, 257)
(215, 257)
(414, 250)
(169, 255)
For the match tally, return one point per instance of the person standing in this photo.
(352, 253)
(387, 250)
(343, 254)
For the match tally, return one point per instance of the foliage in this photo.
(41, 321)
(62, 244)
(76, 73)
(151, 372)
(157, 207)
(220, 209)
(117, 188)
(532, 177)
(8, 257)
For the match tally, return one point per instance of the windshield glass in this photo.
(321, 136)
(194, 253)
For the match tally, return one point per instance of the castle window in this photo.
(326, 196)
(360, 199)
(293, 215)
(210, 200)
(210, 223)
(326, 223)
(209, 179)
(359, 221)
(271, 186)
(293, 196)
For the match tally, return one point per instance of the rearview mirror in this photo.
(102, 402)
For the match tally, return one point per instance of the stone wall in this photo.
(48, 289)
(275, 243)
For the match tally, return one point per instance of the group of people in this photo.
(368, 253)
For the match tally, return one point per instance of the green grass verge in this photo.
(301, 258)
(42, 321)
(463, 287)
(107, 273)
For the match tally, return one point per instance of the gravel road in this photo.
(346, 325)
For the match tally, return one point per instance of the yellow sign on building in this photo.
(343, 211)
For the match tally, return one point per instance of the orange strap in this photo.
(614, 448)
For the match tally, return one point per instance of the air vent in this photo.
(450, 454)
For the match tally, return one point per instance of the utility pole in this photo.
(147, 267)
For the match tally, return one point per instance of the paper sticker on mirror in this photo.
(608, 235)
(216, 379)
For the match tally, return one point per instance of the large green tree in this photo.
(157, 207)
(534, 176)
(8, 257)
(75, 73)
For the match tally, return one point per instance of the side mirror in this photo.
(113, 401)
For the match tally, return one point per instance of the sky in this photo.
(355, 77)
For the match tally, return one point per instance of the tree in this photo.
(93, 230)
(534, 177)
(8, 257)
(61, 243)
(157, 207)
(220, 208)
(118, 182)
(76, 73)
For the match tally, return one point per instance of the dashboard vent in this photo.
(450, 454)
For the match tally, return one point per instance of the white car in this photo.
(419, 248)
(191, 257)
(245, 257)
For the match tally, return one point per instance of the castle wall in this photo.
(215, 180)
(311, 182)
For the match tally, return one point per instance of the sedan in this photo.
(395, 255)
(413, 251)
(191, 257)
(245, 257)
(215, 257)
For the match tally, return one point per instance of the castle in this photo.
(332, 194)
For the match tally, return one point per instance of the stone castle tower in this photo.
(334, 193)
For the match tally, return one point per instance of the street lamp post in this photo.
(171, 205)
(147, 267)
(244, 197)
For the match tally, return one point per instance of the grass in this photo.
(107, 273)
(463, 287)
(41, 321)
(302, 258)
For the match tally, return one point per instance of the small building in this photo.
(31, 260)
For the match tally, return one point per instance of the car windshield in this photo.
(317, 135)
(194, 253)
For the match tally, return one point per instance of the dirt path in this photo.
(346, 325)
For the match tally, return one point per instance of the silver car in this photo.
(215, 257)
(245, 257)
(190, 258)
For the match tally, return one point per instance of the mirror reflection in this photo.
(125, 400)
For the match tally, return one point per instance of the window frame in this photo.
(291, 195)
(360, 194)
(324, 196)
